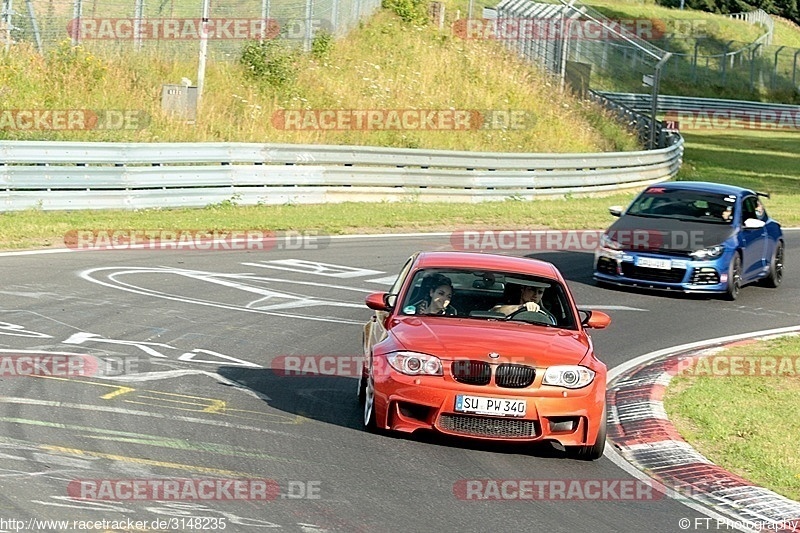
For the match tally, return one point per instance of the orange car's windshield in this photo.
(488, 295)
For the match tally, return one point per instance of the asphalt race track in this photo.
(189, 339)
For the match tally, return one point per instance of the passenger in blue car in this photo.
(727, 215)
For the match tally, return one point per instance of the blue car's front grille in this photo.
(705, 276)
(673, 275)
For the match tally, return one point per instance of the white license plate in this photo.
(648, 262)
(490, 406)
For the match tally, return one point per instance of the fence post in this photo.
(725, 60)
(654, 104)
(7, 11)
(201, 61)
(775, 69)
(753, 65)
(264, 20)
(334, 17)
(35, 26)
(694, 60)
(77, 11)
(794, 71)
(138, 14)
(309, 34)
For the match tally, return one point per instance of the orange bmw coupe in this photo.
(484, 346)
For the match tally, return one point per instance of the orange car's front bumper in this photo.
(570, 416)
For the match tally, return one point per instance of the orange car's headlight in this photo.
(568, 376)
(415, 364)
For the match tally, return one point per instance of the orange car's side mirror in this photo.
(378, 301)
(596, 320)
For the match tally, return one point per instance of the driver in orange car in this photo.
(530, 298)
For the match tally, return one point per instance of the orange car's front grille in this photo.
(471, 372)
(505, 375)
(488, 427)
(514, 376)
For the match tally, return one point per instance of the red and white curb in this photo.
(643, 436)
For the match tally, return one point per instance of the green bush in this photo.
(270, 61)
(411, 11)
(322, 44)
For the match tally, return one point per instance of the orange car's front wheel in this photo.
(594, 451)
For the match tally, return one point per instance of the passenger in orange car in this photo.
(437, 301)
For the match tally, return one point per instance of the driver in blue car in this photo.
(526, 297)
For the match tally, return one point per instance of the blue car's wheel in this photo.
(734, 278)
(775, 275)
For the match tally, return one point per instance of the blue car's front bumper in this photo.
(657, 271)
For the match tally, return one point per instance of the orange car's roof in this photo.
(522, 265)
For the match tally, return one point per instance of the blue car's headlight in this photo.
(608, 242)
(708, 253)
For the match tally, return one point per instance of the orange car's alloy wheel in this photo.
(369, 403)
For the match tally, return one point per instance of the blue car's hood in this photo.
(661, 234)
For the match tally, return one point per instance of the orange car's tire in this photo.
(369, 404)
(595, 451)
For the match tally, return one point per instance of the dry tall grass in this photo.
(384, 64)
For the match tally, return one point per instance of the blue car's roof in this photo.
(703, 186)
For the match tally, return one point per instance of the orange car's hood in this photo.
(458, 338)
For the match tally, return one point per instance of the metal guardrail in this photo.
(667, 103)
(74, 175)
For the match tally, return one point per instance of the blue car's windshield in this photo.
(693, 206)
